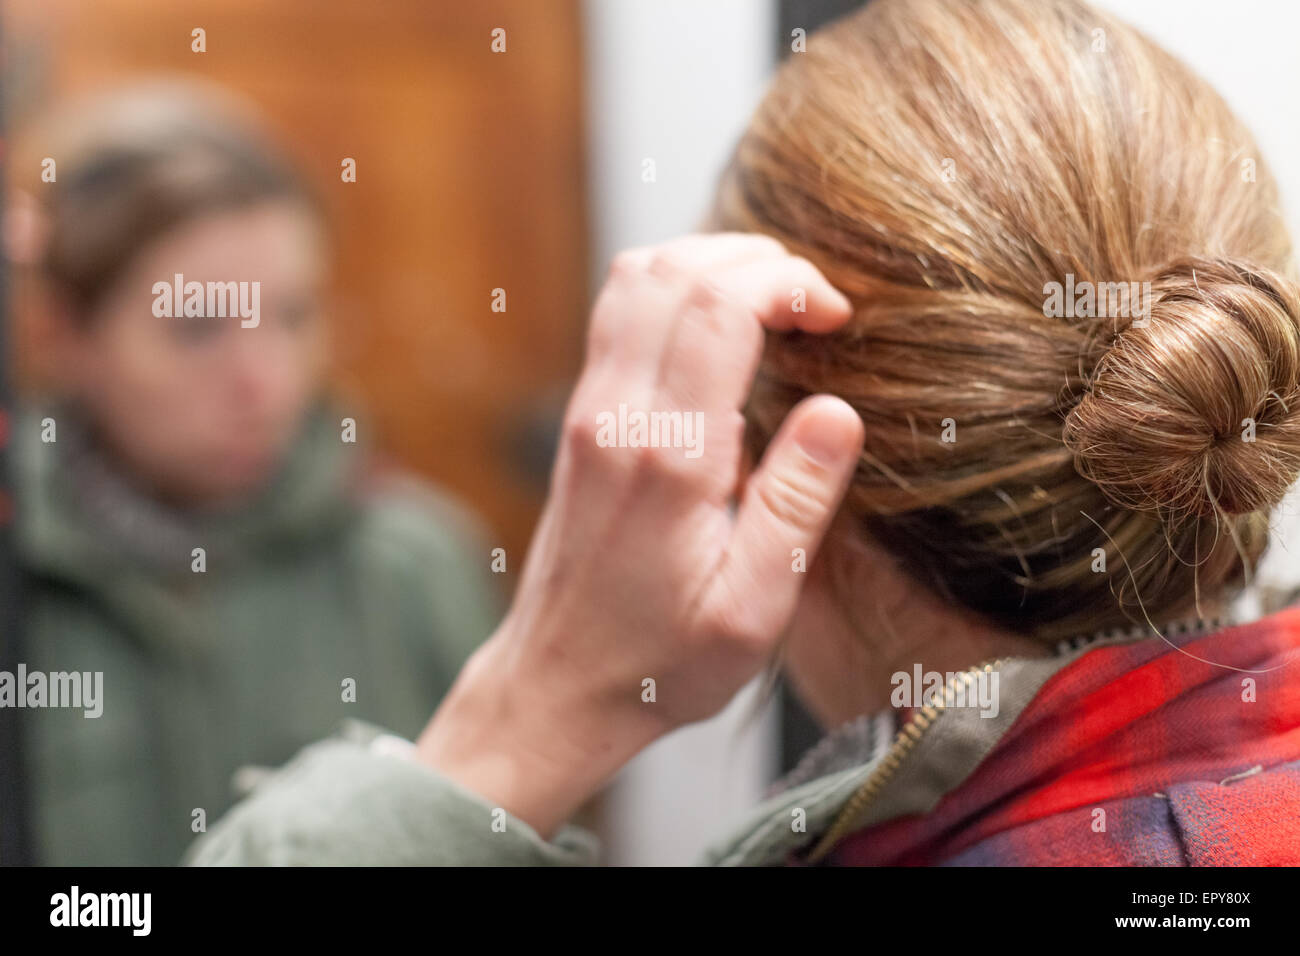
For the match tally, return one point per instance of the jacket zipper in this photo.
(911, 733)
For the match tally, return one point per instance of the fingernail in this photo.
(824, 445)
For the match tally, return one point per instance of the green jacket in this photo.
(357, 798)
(1147, 733)
(331, 580)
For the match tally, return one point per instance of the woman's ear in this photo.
(50, 327)
(64, 339)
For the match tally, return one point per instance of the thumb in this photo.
(789, 503)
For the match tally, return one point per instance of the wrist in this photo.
(531, 745)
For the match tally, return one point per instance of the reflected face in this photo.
(203, 410)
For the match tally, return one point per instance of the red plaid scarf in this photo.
(1138, 754)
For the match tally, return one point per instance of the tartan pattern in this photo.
(1185, 769)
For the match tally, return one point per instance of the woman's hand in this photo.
(645, 603)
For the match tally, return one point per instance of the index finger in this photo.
(787, 293)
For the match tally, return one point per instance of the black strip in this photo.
(338, 909)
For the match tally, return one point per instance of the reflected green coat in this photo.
(335, 578)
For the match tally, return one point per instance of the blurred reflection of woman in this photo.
(192, 520)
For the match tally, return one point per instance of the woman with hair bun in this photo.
(1024, 526)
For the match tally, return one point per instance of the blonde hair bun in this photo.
(1195, 409)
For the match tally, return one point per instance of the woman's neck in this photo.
(853, 633)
